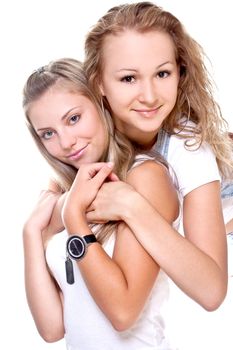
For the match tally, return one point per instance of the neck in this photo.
(145, 146)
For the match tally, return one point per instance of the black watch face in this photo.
(75, 247)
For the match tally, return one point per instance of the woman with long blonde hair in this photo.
(150, 75)
(95, 285)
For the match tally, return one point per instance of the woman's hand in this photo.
(113, 198)
(40, 216)
(84, 189)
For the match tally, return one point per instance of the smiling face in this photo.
(140, 77)
(69, 126)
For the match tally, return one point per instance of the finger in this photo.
(94, 168)
(88, 171)
(89, 217)
(92, 219)
(90, 208)
(113, 177)
(102, 174)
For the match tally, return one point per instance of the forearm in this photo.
(108, 287)
(115, 289)
(42, 294)
(194, 271)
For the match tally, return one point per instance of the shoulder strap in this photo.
(162, 143)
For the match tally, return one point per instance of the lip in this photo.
(145, 112)
(77, 154)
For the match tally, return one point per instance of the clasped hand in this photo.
(88, 181)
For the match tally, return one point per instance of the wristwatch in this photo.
(76, 246)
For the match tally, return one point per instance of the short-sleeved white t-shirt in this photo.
(86, 326)
(193, 168)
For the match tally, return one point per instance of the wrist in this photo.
(77, 223)
(133, 206)
(76, 245)
(31, 229)
(31, 236)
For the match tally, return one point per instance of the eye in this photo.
(163, 74)
(128, 79)
(74, 119)
(47, 135)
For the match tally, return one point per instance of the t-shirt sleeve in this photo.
(193, 168)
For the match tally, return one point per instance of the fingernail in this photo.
(110, 164)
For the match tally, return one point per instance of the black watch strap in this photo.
(76, 247)
(91, 238)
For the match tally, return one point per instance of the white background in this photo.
(33, 33)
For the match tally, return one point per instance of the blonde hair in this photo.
(69, 73)
(195, 91)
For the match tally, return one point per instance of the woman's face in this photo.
(140, 79)
(69, 126)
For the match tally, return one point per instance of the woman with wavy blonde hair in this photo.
(150, 75)
(95, 285)
(195, 94)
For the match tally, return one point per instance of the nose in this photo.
(147, 93)
(67, 139)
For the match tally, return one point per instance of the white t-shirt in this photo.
(192, 168)
(86, 326)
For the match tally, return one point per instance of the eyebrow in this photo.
(135, 70)
(163, 64)
(62, 118)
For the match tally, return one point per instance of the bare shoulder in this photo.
(153, 181)
(151, 171)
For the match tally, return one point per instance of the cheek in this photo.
(171, 93)
(101, 139)
(112, 92)
(119, 99)
(108, 92)
(52, 149)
